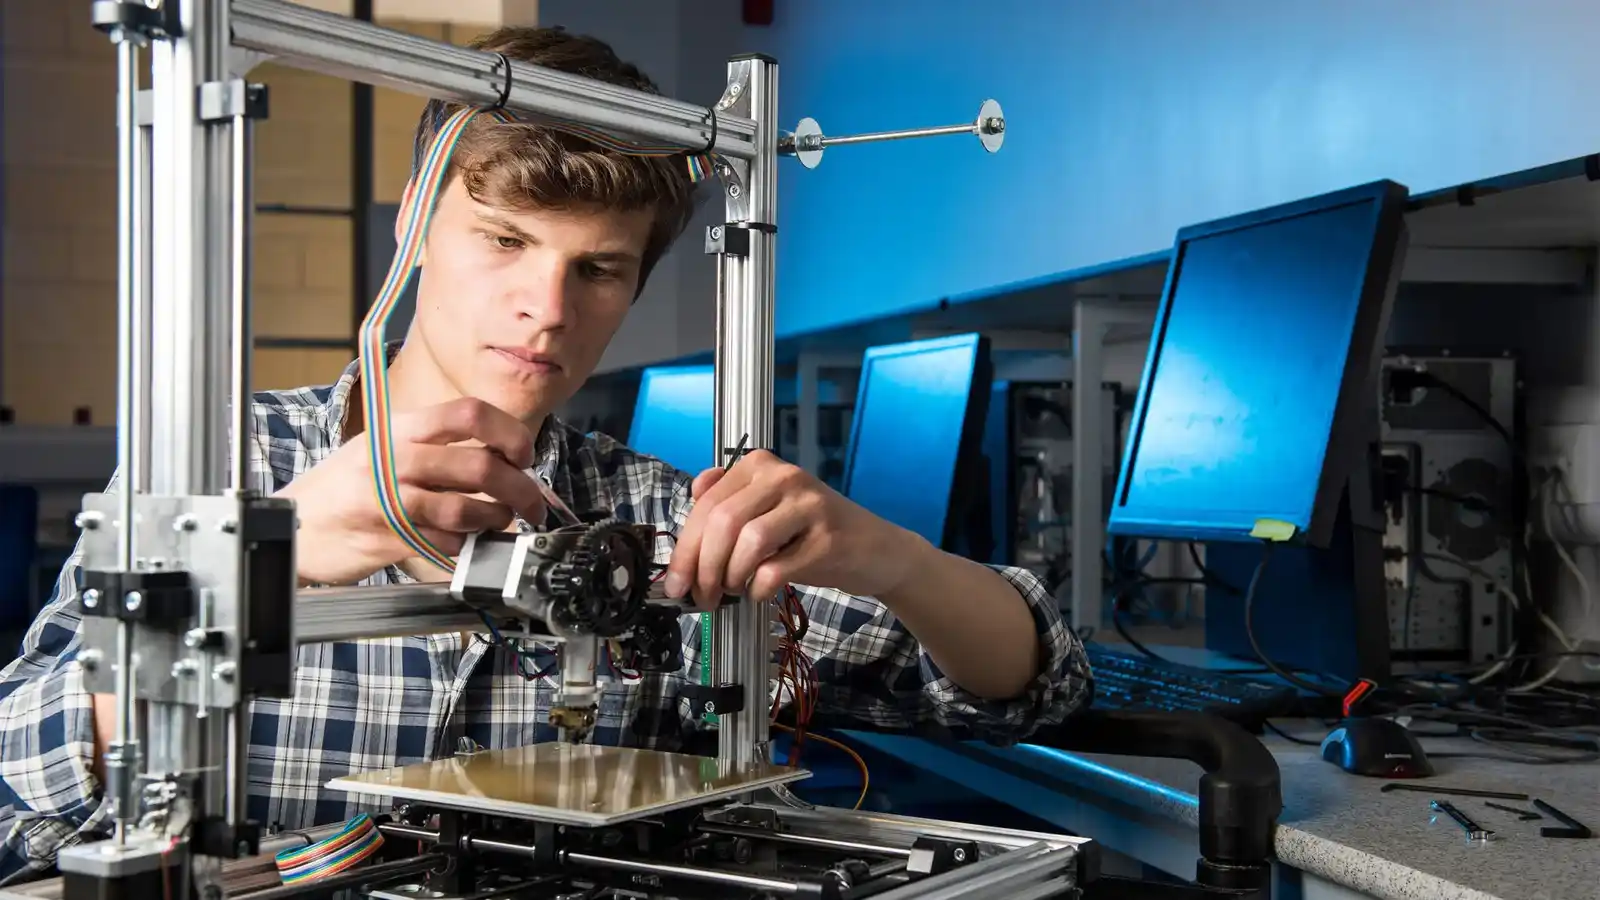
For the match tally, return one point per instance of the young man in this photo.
(538, 248)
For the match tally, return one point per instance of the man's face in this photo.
(516, 308)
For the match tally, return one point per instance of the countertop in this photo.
(1345, 829)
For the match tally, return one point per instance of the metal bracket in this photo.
(224, 101)
(735, 173)
(235, 554)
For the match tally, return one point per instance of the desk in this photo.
(1339, 836)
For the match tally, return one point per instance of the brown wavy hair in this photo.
(521, 166)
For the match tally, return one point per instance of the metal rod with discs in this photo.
(808, 141)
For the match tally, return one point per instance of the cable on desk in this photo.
(1250, 632)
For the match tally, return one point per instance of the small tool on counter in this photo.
(1569, 828)
(1475, 832)
(1523, 815)
(1459, 792)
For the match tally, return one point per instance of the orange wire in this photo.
(866, 777)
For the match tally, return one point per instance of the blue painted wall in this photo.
(1130, 118)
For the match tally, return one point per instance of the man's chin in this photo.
(523, 401)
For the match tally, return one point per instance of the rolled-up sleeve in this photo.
(49, 797)
(870, 667)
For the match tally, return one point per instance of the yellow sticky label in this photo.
(1272, 530)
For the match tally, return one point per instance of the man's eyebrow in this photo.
(616, 256)
(501, 222)
(507, 225)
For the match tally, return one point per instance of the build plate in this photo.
(570, 784)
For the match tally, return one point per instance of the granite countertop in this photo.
(1345, 829)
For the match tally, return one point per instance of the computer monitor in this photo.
(1257, 419)
(916, 456)
(1256, 404)
(674, 416)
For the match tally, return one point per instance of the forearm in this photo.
(969, 619)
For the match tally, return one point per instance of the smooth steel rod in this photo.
(360, 51)
(398, 610)
(666, 870)
(872, 137)
(132, 322)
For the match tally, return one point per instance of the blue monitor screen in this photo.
(674, 417)
(911, 409)
(1245, 374)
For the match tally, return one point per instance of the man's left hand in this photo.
(763, 523)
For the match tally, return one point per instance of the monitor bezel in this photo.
(1350, 435)
(980, 381)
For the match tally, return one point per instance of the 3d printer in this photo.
(188, 575)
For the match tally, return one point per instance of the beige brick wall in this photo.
(58, 293)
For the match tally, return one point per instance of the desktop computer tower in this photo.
(1027, 445)
(1444, 479)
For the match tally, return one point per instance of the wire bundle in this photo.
(356, 842)
(797, 676)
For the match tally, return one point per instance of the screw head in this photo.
(88, 521)
(133, 601)
(91, 598)
(960, 854)
(711, 707)
(734, 191)
(185, 522)
(90, 658)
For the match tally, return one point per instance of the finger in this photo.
(761, 539)
(472, 470)
(469, 419)
(455, 513)
(782, 568)
(705, 481)
(723, 528)
(682, 569)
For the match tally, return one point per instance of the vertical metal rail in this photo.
(744, 373)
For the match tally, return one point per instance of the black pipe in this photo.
(1240, 795)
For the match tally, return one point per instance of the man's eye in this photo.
(596, 272)
(507, 243)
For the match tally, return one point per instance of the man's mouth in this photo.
(529, 360)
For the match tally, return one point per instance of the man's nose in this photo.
(543, 296)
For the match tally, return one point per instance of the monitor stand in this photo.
(1322, 609)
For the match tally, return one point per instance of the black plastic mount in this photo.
(717, 700)
(215, 836)
(135, 17)
(161, 599)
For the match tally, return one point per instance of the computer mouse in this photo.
(1381, 748)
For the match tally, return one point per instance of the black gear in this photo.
(580, 587)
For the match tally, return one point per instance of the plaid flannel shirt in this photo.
(374, 704)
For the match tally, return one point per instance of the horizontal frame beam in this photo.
(342, 47)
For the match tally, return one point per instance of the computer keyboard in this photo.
(1135, 682)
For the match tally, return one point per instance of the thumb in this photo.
(705, 481)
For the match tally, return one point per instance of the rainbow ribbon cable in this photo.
(358, 840)
(374, 363)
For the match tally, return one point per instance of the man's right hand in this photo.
(443, 456)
